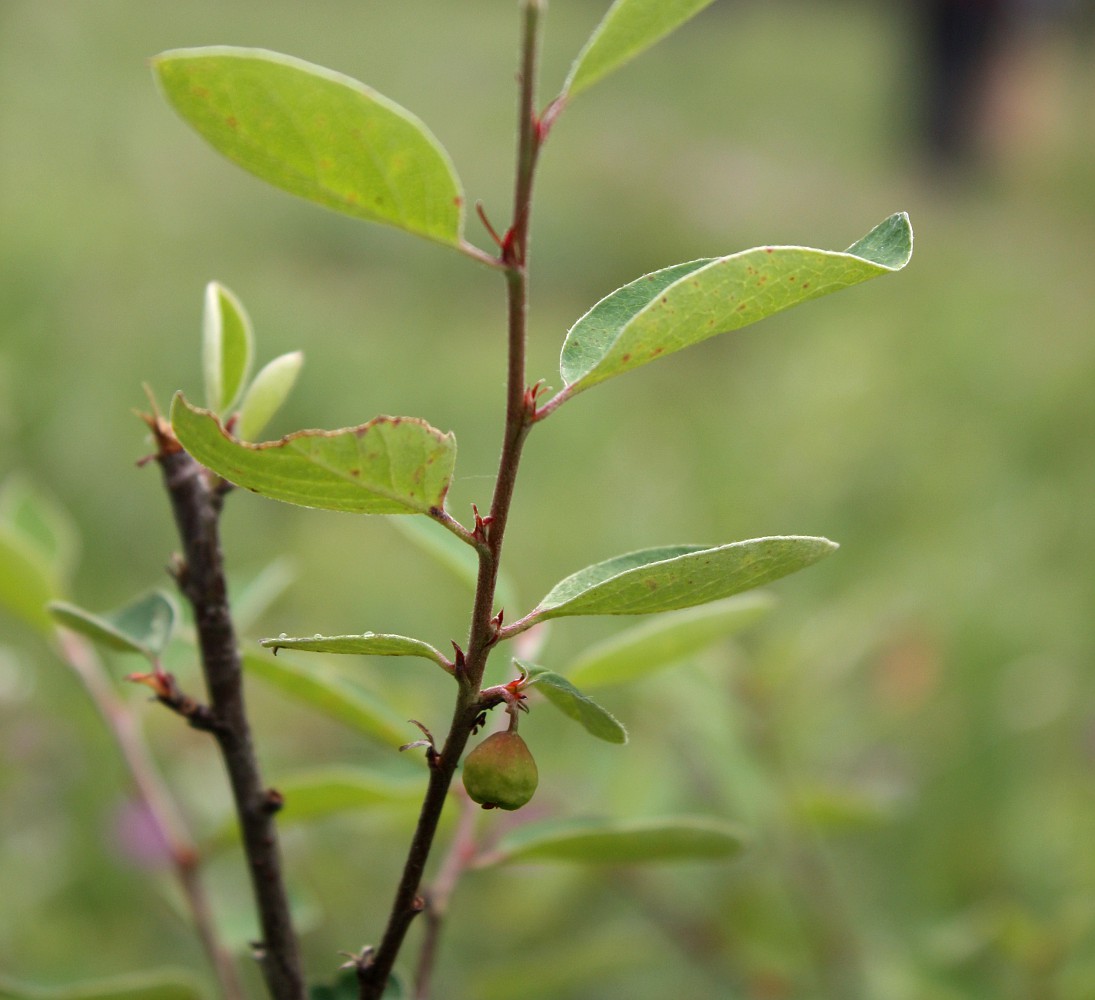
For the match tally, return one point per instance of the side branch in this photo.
(196, 503)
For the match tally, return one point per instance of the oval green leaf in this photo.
(227, 347)
(266, 394)
(333, 696)
(329, 791)
(596, 720)
(676, 576)
(668, 639)
(155, 984)
(317, 134)
(41, 524)
(613, 842)
(143, 626)
(26, 583)
(367, 644)
(683, 305)
(391, 465)
(629, 27)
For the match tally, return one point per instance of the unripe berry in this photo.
(500, 772)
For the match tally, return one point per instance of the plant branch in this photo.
(447, 521)
(157, 802)
(375, 967)
(196, 501)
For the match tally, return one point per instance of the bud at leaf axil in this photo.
(500, 772)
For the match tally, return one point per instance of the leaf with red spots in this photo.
(675, 576)
(682, 305)
(317, 134)
(391, 465)
(629, 27)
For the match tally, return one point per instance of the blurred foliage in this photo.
(909, 738)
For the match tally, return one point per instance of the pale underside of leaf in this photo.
(391, 465)
(366, 644)
(621, 842)
(318, 134)
(629, 27)
(143, 626)
(678, 576)
(597, 721)
(674, 308)
(265, 395)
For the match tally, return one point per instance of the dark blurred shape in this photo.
(959, 39)
(969, 52)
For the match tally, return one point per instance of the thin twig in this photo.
(157, 802)
(196, 501)
(462, 850)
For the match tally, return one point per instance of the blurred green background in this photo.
(910, 736)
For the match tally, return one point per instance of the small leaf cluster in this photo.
(228, 345)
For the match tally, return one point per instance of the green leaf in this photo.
(266, 394)
(328, 791)
(683, 305)
(613, 842)
(38, 545)
(155, 984)
(26, 583)
(453, 554)
(367, 644)
(344, 987)
(391, 465)
(317, 134)
(252, 597)
(677, 576)
(666, 640)
(629, 27)
(143, 626)
(227, 347)
(42, 524)
(571, 702)
(333, 696)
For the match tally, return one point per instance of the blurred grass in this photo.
(911, 734)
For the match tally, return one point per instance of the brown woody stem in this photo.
(196, 501)
(374, 968)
